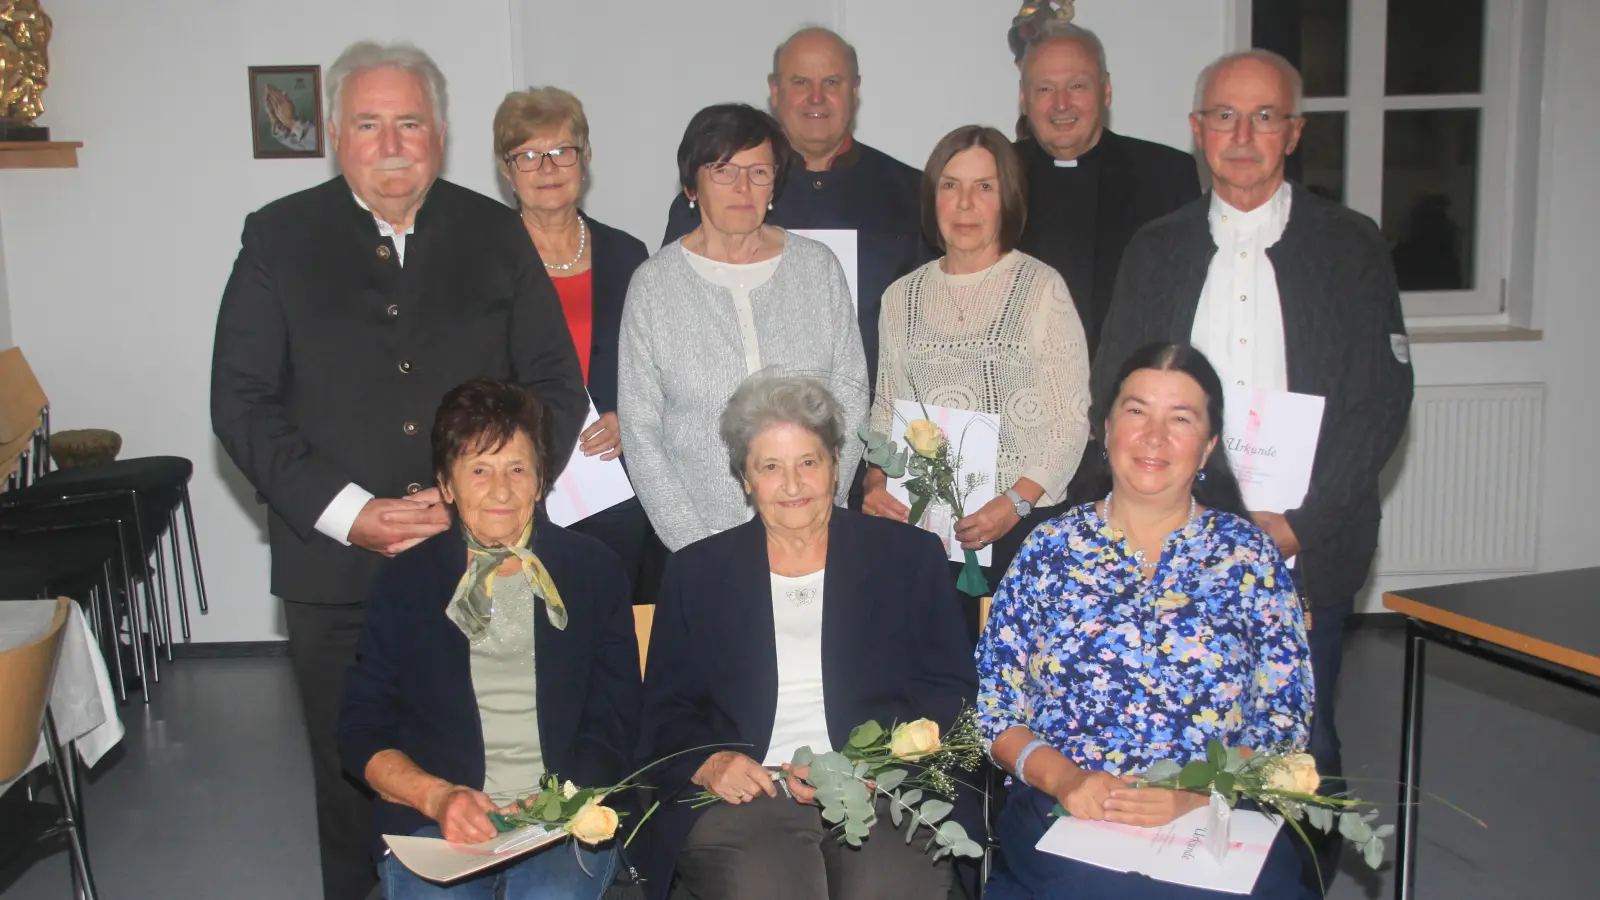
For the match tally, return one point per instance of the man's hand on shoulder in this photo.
(389, 526)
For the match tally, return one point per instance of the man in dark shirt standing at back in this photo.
(837, 182)
(1089, 188)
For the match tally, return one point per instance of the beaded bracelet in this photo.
(1023, 758)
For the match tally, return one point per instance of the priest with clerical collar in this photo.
(835, 182)
(1089, 188)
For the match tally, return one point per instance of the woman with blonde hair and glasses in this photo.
(541, 136)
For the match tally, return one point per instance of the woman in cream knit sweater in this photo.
(990, 329)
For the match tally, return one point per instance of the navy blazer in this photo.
(411, 686)
(614, 257)
(894, 649)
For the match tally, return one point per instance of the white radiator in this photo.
(1465, 484)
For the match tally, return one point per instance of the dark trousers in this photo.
(1327, 657)
(1028, 874)
(322, 646)
(625, 528)
(776, 849)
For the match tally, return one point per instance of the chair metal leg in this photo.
(113, 646)
(1405, 861)
(159, 634)
(135, 635)
(194, 550)
(177, 572)
(166, 608)
(83, 877)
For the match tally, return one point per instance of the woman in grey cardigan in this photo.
(731, 298)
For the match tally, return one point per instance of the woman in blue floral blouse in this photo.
(1135, 629)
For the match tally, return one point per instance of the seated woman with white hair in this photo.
(789, 631)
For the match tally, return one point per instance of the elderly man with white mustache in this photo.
(1283, 291)
(353, 307)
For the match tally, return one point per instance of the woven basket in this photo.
(84, 446)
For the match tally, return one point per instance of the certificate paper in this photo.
(843, 244)
(975, 438)
(587, 485)
(1177, 853)
(1271, 439)
(441, 861)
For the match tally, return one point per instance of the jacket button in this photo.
(393, 311)
(384, 251)
(405, 367)
(413, 488)
(409, 428)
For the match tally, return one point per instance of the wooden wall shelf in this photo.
(39, 154)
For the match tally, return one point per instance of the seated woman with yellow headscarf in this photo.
(492, 654)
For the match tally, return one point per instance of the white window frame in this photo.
(1513, 42)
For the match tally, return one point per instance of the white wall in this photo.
(115, 268)
(926, 68)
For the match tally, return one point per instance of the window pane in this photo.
(1435, 47)
(1312, 34)
(1430, 202)
(1320, 160)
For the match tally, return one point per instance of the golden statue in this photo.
(24, 62)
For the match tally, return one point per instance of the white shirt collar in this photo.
(1270, 218)
(384, 228)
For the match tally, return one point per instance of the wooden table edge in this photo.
(1504, 637)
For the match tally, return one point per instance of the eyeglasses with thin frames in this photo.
(533, 160)
(761, 174)
(1265, 120)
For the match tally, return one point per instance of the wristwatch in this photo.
(1023, 506)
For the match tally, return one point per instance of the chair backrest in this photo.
(22, 399)
(25, 676)
(11, 459)
(643, 617)
(983, 610)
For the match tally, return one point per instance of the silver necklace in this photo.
(583, 242)
(1138, 555)
(961, 308)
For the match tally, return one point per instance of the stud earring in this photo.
(769, 206)
(1105, 454)
(1201, 476)
(691, 204)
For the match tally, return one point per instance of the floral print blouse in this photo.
(1117, 673)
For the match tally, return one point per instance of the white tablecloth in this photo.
(81, 698)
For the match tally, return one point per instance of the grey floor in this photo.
(210, 796)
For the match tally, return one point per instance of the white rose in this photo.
(1295, 774)
(568, 790)
(593, 823)
(914, 740)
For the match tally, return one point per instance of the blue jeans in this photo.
(1028, 874)
(549, 873)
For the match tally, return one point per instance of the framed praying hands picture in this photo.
(286, 111)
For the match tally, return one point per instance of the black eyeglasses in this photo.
(532, 160)
(761, 174)
(1265, 120)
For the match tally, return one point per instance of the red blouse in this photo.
(577, 302)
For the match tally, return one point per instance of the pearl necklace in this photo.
(583, 242)
(1138, 555)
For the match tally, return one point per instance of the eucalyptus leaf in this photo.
(1383, 831)
(968, 848)
(935, 809)
(896, 812)
(1372, 853)
(952, 831)
(802, 757)
(861, 770)
(856, 828)
(1320, 817)
(833, 815)
(1357, 831)
(852, 840)
(873, 439)
(940, 853)
(911, 828)
(913, 797)
(889, 779)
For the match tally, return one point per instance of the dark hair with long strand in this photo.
(1220, 489)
